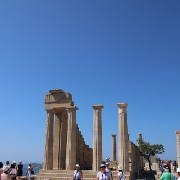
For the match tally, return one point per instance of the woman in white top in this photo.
(78, 175)
(121, 175)
(103, 175)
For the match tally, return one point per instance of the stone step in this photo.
(65, 174)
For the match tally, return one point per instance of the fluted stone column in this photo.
(123, 142)
(60, 137)
(63, 142)
(56, 147)
(48, 149)
(113, 147)
(178, 146)
(71, 139)
(97, 136)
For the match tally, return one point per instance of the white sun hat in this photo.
(119, 168)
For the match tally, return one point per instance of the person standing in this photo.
(5, 174)
(1, 168)
(109, 171)
(166, 174)
(103, 175)
(178, 174)
(13, 172)
(169, 166)
(19, 170)
(7, 163)
(121, 174)
(28, 171)
(78, 175)
(174, 166)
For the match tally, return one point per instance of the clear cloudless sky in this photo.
(102, 52)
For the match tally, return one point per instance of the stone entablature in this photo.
(58, 99)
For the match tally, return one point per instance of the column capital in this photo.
(97, 106)
(122, 107)
(113, 135)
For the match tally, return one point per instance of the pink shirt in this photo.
(4, 176)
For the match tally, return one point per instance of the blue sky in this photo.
(102, 52)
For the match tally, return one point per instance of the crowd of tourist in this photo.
(105, 172)
(14, 171)
(166, 169)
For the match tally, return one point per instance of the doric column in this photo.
(56, 147)
(97, 136)
(48, 149)
(113, 147)
(71, 139)
(123, 142)
(178, 146)
(60, 137)
(63, 140)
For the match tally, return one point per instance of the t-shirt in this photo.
(103, 176)
(4, 176)
(121, 175)
(77, 174)
(167, 176)
(108, 171)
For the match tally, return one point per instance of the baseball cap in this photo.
(102, 165)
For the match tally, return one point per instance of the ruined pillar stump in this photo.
(113, 147)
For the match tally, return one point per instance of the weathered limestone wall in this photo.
(83, 151)
(135, 163)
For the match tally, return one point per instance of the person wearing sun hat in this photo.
(178, 174)
(166, 174)
(78, 175)
(102, 174)
(121, 175)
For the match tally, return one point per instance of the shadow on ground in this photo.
(146, 175)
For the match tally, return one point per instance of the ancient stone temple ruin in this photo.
(65, 145)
